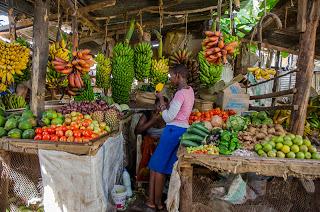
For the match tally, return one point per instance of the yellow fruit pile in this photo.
(13, 60)
(262, 73)
(59, 49)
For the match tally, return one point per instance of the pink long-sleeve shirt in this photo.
(180, 108)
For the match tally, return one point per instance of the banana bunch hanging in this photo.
(59, 49)
(262, 73)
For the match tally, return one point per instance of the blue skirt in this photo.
(165, 155)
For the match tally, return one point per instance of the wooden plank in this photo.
(40, 55)
(302, 15)
(272, 108)
(275, 94)
(186, 174)
(4, 179)
(276, 79)
(97, 6)
(305, 68)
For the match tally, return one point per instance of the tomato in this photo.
(38, 130)
(69, 133)
(38, 137)
(85, 124)
(85, 139)
(77, 134)
(63, 139)
(46, 137)
(87, 133)
(64, 128)
(59, 133)
(53, 126)
(45, 133)
(94, 135)
(70, 139)
(78, 139)
(198, 114)
(50, 130)
(54, 138)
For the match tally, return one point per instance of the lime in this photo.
(285, 149)
(274, 139)
(267, 147)
(300, 155)
(273, 144)
(257, 147)
(272, 154)
(307, 142)
(307, 155)
(287, 138)
(294, 148)
(298, 140)
(260, 152)
(316, 155)
(263, 155)
(280, 154)
(291, 155)
(287, 142)
(279, 146)
(291, 136)
(312, 149)
(303, 148)
(279, 139)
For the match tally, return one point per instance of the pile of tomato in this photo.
(64, 134)
(207, 115)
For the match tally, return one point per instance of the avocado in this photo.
(25, 125)
(3, 132)
(10, 124)
(28, 134)
(2, 121)
(14, 133)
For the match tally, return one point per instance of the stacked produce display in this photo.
(142, 57)
(217, 132)
(103, 73)
(262, 73)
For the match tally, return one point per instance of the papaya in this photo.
(28, 134)
(3, 132)
(25, 125)
(10, 124)
(14, 133)
(2, 121)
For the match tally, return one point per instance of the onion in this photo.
(208, 125)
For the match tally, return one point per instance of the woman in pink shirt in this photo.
(176, 118)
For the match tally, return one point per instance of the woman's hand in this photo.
(159, 95)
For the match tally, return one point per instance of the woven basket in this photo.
(203, 105)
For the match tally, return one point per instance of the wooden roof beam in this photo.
(97, 6)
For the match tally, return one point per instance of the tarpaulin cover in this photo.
(81, 183)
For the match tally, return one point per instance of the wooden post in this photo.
(40, 55)
(12, 22)
(4, 180)
(275, 82)
(305, 67)
(186, 173)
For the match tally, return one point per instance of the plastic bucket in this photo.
(119, 194)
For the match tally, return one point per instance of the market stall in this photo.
(104, 61)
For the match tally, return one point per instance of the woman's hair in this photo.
(164, 98)
(181, 70)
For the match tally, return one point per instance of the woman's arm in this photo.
(144, 124)
(169, 114)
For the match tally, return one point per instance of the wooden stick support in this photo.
(186, 174)
(4, 179)
(40, 55)
(275, 94)
(278, 107)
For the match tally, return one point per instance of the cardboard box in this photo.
(234, 97)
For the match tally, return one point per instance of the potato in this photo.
(260, 136)
(271, 130)
(252, 129)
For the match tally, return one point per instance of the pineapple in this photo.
(98, 116)
(111, 117)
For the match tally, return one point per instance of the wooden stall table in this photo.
(273, 167)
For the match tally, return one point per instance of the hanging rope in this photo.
(140, 17)
(161, 15)
(186, 31)
(231, 16)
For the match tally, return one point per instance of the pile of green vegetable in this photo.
(258, 118)
(228, 142)
(195, 136)
(15, 126)
(236, 123)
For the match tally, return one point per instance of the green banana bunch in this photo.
(143, 56)
(103, 71)
(26, 75)
(209, 74)
(55, 80)
(87, 93)
(122, 72)
(159, 71)
(13, 101)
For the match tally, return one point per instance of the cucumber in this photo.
(188, 143)
(200, 126)
(192, 137)
(196, 131)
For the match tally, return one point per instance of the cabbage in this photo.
(236, 123)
